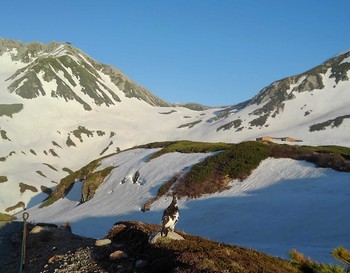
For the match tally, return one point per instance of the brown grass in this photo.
(194, 254)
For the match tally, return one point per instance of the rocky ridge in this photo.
(71, 69)
(127, 249)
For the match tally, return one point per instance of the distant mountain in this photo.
(75, 74)
(308, 92)
(60, 110)
(274, 96)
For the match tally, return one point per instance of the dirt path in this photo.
(6, 248)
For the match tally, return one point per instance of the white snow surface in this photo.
(284, 204)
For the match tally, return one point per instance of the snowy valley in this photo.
(60, 110)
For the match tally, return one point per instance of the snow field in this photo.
(284, 204)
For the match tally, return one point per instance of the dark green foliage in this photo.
(3, 134)
(190, 125)
(61, 190)
(100, 133)
(306, 265)
(194, 106)
(334, 157)
(235, 123)
(25, 187)
(92, 182)
(343, 255)
(185, 146)
(339, 68)
(155, 145)
(331, 149)
(41, 173)
(46, 190)
(56, 144)
(260, 121)
(105, 149)
(232, 161)
(50, 166)
(82, 130)
(214, 173)
(17, 206)
(329, 123)
(6, 217)
(10, 109)
(28, 86)
(3, 179)
(69, 171)
(166, 186)
(69, 142)
(52, 151)
(168, 113)
(239, 161)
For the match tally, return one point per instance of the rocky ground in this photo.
(127, 248)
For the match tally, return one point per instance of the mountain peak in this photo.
(60, 70)
(332, 72)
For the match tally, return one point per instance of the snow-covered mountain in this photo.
(60, 109)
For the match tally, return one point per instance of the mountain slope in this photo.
(60, 109)
(283, 204)
(73, 73)
(304, 101)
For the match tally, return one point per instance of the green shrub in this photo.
(343, 255)
(92, 182)
(214, 173)
(6, 217)
(3, 179)
(186, 146)
(309, 266)
(10, 109)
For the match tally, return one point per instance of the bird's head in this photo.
(174, 200)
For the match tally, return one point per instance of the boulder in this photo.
(117, 255)
(37, 229)
(103, 242)
(171, 235)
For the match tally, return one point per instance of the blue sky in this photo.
(213, 52)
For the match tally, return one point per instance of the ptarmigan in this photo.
(170, 217)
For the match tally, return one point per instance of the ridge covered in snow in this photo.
(60, 110)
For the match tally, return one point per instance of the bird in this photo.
(170, 217)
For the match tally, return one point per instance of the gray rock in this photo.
(171, 235)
